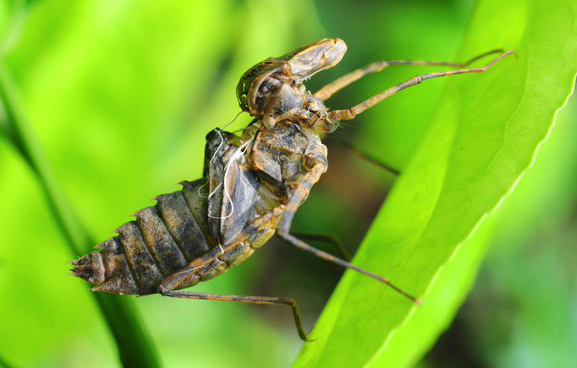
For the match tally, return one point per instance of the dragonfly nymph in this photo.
(254, 182)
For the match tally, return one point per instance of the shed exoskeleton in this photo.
(254, 182)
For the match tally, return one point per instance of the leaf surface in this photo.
(484, 135)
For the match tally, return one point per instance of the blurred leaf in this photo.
(12, 16)
(418, 29)
(135, 348)
(485, 134)
(522, 309)
(121, 95)
(60, 79)
(5, 364)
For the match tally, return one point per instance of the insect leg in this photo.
(370, 158)
(334, 116)
(327, 91)
(327, 238)
(270, 300)
(299, 195)
(328, 257)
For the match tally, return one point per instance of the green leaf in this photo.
(119, 121)
(47, 112)
(135, 348)
(484, 135)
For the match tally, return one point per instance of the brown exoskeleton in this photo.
(256, 182)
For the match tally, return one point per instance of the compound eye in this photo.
(242, 94)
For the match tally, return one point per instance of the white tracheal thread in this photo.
(236, 155)
(201, 195)
(221, 250)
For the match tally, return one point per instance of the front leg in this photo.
(285, 104)
(329, 122)
(327, 91)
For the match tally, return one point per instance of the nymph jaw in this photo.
(314, 57)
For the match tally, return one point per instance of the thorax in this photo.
(280, 153)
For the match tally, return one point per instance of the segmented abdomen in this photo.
(163, 239)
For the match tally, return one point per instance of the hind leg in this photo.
(182, 278)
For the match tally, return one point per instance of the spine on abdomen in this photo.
(163, 239)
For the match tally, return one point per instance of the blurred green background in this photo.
(120, 95)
